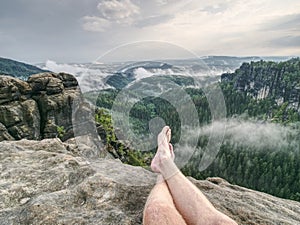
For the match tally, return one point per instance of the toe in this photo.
(171, 151)
(169, 135)
(164, 136)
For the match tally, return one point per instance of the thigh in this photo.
(163, 214)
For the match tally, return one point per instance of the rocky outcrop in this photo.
(54, 94)
(50, 182)
(18, 112)
(36, 108)
(279, 81)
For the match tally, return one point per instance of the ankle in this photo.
(168, 167)
(160, 179)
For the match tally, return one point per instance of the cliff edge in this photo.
(50, 182)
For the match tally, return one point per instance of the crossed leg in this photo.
(160, 208)
(174, 199)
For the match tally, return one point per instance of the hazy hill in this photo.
(18, 69)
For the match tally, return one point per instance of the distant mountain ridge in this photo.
(206, 66)
(128, 74)
(18, 69)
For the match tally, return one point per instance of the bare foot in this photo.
(164, 149)
(164, 138)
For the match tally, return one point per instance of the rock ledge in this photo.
(49, 182)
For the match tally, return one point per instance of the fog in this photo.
(257, 134)
(242, 135)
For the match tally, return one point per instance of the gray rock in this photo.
(69, 81)
(50, 182)
(35, 109)
(44, 183)
(4, 135)
(45, 82)
(54, 94)
(13, 89)
(21, 119)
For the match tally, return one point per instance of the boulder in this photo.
(50, 182)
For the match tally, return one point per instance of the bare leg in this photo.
(192, 204)
(189, 200)
(160, 208)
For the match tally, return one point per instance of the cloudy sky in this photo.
(82, 30)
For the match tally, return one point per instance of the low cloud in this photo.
(88, 79)
(254, 134)
(241, 136)
(63, 67)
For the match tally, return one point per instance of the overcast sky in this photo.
(83, 30)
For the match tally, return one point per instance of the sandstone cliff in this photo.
(36, 108)
(260, 80)
(50, 182)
